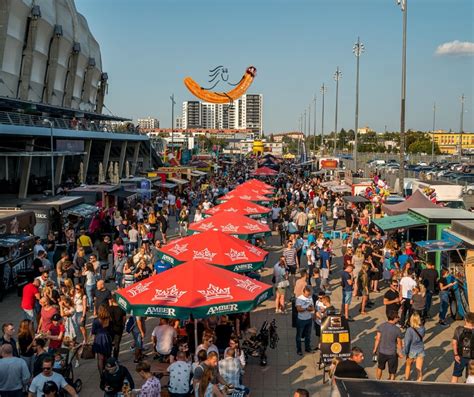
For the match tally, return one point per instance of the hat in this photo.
(111, 362)
(56, 317)
(349, 245)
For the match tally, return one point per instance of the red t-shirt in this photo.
(28, 299)
(46, 316)
(55, 330)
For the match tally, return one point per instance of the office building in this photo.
(191, 114)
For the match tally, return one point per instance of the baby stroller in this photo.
(255, 345)
(67, 371)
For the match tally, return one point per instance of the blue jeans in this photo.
(90, 289)
(444, 305)
(303, 330)
(118, 279)
(429, 299)
(324, 221)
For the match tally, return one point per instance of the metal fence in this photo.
(12, 118)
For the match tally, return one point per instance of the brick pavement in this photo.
(285, 371)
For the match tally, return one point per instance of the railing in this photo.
(29, 120)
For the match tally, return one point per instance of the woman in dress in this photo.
(66, 306)
(47, 312)
(414, 347)
(363, 286)
(102, 345)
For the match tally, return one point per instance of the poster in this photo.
(335, 338)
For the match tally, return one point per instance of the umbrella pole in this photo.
(195, 335)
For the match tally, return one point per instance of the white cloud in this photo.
(456, 47)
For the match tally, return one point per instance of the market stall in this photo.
(102, 195)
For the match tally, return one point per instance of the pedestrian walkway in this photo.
(286, 371)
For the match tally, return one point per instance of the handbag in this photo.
(87, 352)
(283, 284)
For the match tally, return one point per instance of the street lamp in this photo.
(461, 127)
(172, 121)
(337, 77)
(305, 127)
(314, 128)
(358, 49)
(403, 5)
(48, 121)
(323, 92)
(432, 132)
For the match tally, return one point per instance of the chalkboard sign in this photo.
(335, 338)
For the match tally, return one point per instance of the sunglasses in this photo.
(47, 368)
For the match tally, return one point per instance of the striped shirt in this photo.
(290, 256)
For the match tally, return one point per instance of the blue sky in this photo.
(148, 47)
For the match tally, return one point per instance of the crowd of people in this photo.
(70, 312)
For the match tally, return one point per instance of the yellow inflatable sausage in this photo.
(222, 97)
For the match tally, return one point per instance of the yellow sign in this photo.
(327, 338)
(344, 337)
(170, 170)
(336, 348)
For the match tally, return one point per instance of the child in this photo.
(58, 361)
(470, 372)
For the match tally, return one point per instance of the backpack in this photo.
(319, 204)
(466, 344)
(130, 324)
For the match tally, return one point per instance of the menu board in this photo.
(335, 338)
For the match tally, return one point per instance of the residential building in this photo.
(148, 123)
(192, 114)
(249, 112)
(449, 142)
(364, 130)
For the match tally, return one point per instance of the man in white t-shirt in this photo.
(163, 338)
(304, 321)
(47, 375)
(407, 283)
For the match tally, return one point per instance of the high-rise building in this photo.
(179, 123)
(244, 113)
(148, 123)
(191, 114)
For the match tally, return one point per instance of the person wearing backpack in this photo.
(414, 347)
(463, 346)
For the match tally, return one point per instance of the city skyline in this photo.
(295, 46)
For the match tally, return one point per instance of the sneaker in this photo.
(350, 319)
(76, 365)
(443, 323)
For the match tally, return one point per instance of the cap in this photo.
(56, 317)
(111, 362)
(349, 245)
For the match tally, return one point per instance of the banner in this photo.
(335, 339)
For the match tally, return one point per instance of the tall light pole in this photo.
(172, 121)
(432, 132)
(48, 121)
(358, 49)
(461, 127)
(314, 127)
(337, 77)
(323, 92)
(309, 120)
(305, 127)
(403, 5)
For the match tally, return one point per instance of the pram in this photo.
(69, 355)
(255, 345)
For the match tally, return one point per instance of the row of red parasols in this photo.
(207, 277)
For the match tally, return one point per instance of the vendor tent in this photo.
(404, 221)
(416, 200)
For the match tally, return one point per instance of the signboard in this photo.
(328, 164)
(469, 272)
(335, 338)
(172, 170)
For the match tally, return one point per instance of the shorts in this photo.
(416, 355)
(459, 367)
(78, 317)
(324, 273)
(392, 361)
(104, 265)
(292, 269)
(281, 291)
(347, 297)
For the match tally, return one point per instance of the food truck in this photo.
(16, 246)
(54, 213)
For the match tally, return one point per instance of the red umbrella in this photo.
(245, 195)
(215, 248)
(193, 288)
(236, 225)
(257, 183)
(241, 207)
(265, 171)
(247, 189)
